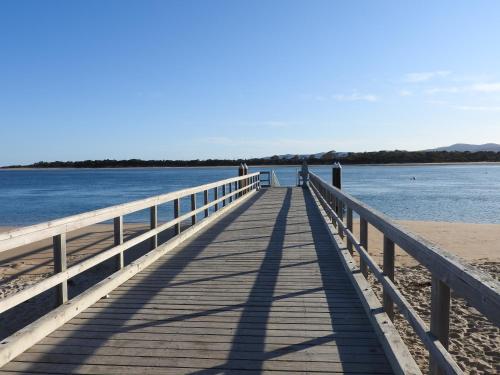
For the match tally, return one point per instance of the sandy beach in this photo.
(475, 343)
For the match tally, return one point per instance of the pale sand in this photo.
(475, 343)
(471, 242)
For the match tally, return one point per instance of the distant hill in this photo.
(441, 155)
(464, 147)
(319, 156)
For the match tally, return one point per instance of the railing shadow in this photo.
(332, 272)
(178, 262)
(260, 300)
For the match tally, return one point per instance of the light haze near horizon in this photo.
(228, 79)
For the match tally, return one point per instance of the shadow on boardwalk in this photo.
(177, 262)
(245, 305)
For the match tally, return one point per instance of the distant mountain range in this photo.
(464, 147)
(460, 147)
(319, 155)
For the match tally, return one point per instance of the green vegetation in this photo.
(379, 157)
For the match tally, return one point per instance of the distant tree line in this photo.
(378, 157)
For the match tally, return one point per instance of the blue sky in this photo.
(200, 79)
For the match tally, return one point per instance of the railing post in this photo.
(193, 207)
(230, 186)
(349, 227)
(337, 182)
(216, 196)
(205, 202)
(153, 216)
(245, 172)
(241, 172)
(363, 235)
(389, 272)
(440, 317)
(118, 240)
(60, 264)
(304, 173)
(177, 209)
(224, 195)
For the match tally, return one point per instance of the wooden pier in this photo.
(261, 281)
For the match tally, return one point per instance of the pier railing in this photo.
(269, 179)
(216, 195)
(448, 272)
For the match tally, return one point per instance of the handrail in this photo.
(242, 185)
(448, 271)
(22, 236)
(274, 179)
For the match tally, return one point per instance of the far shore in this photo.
(262, 166)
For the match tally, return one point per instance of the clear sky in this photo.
(198, 79)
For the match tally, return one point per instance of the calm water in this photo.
(467, 193)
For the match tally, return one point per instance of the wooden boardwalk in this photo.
(262, 290)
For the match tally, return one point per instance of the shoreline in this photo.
(260, 165)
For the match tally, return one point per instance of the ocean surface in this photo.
(464, 193)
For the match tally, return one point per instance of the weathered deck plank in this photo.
(260, 291)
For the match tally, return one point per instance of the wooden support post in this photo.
(153, 219)
(349, 226)
(389, 272)
(60, 265)
(193, 207)
(224, 195)
(230, 185)
(340, 208)
(118, 240)
(241, 172)
(363, 235)
(337, 182)
(440, 317)
(205, 202)
(216, 196)
(177, 210)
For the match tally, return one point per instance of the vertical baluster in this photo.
(205, 202)
(177, 210)
(193, 207)
(153, 220)
(363, 234)
(60, 264)
(389, 272)
(224, 195)
(118, 240)
(216, 196)
(349, 226)
(241, 172)
(230, 185)
(341, 217)
(440, 317)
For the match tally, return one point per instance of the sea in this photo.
(455, 193)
